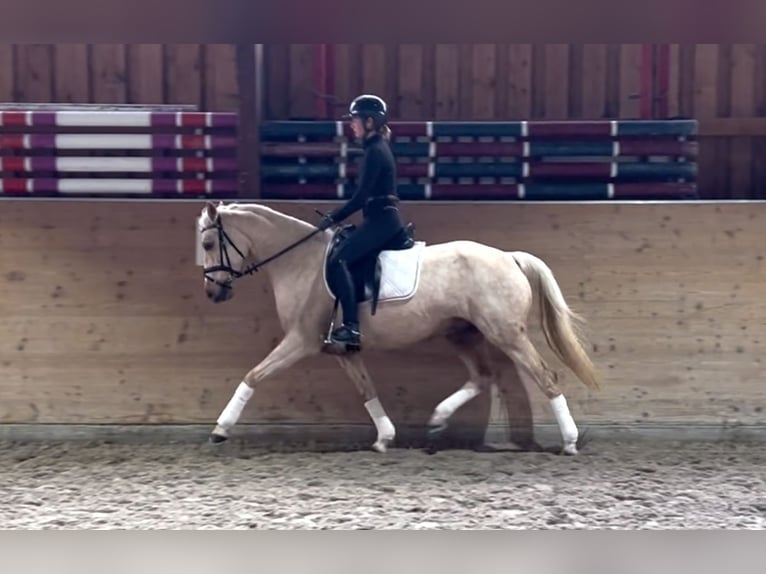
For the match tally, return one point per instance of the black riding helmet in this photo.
(369, 106)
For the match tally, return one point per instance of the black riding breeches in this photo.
(370, 236)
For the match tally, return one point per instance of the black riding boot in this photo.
(344, 284)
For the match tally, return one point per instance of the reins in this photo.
(224, 238)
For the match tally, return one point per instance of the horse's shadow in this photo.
(437, 444)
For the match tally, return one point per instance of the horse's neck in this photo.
(292, 274)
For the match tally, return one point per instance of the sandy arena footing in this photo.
(77, 485)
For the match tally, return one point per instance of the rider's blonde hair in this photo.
(385, 131)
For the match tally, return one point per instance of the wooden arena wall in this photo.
(105, 321)
(720, 85)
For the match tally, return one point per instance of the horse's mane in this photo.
(269, 214)
(265, 212)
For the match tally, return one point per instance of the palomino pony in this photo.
(476, 296)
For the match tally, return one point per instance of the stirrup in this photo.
(343, 340)
(346, 334)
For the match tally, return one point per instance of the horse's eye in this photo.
(208, 245)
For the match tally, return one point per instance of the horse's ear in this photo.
(212, 211)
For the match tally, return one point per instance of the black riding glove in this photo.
(326, 222)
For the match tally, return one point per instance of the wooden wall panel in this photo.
(629, 69)
(277, 79)
(7, 73)
(105, 320)
(183, 74)
(518, 104)
(554, 90)
(146, 72)
(466, 81)
(72, 67)
(108, 69)
(301, 73)
(483, 81)
(447, 82)
(410, 97)
(34, 73)
(221, 90)
(373, 62)
(741, 104)
(196, 74)
(593, 80)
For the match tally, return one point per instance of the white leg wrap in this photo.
(448, 406)
(230, 415)
(380, 418)
(565, 420)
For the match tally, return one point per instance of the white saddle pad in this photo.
(399, 273)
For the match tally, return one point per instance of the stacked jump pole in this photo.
(118, 153)
(183, 153)
(479, 161)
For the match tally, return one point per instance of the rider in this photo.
(377, 198)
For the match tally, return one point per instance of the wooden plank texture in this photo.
(556, 81)
(594, 81)
(483, 82)
(184, 70)
(71, 70)
(301, 73)
(34, 73)
(220, 88)
(410, 97)
(706, 94)
(108, 70)
(105, 320)
(742, 104)
(146, 72)
(7, 73)
(374, 69)
(447, 82)
(519, 100)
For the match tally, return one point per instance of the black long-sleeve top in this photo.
(377, 180)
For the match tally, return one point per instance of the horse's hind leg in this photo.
(472, 349)
(531, 367)
(517, 406)
(356, 370)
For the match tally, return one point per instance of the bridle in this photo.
(225, 261)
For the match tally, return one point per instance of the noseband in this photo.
(225, 260)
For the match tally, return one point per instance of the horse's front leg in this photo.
(357, 372)
(290, 350)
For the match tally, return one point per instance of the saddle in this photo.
(366, 272)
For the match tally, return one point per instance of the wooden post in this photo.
(249, 109)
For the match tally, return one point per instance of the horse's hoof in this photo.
(216, 438)
(436, 431)
(569, 450)
(381, 445)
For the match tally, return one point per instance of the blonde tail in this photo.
(557, 318)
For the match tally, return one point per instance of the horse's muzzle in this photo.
(220, 295)
(217, 291)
